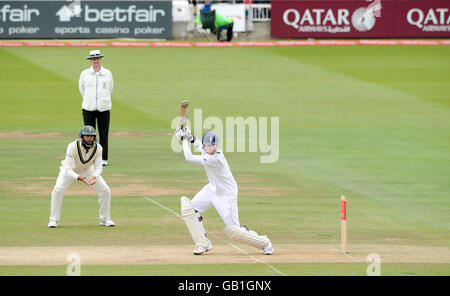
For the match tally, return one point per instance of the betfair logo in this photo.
(66, 12)
(17, 15)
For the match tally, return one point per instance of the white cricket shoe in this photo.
(104, 163)
(52, 224)
(200, 250)
(269, 249)
(107, 222)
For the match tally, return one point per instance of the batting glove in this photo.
(179, 132)
(190, 138)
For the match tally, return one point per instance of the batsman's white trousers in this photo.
(226, 205)
(64, 181)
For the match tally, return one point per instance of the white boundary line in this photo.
(215, 236)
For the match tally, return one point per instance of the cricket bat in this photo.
(184, 113)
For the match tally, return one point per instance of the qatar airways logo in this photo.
(433, 19)
(333, 20)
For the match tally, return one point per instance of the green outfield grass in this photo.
(369, 122)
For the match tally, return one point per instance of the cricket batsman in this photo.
(83, 162)
(221, 192)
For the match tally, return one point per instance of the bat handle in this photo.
(183, 122)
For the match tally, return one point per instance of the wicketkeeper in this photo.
(83, 163)
(221, 192)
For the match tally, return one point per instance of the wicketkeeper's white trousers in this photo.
(225, 205)
(64, 181)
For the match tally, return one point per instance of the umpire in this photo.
(96, 85)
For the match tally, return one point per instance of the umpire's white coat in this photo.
(96, 89)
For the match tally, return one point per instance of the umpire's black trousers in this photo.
(102, 118)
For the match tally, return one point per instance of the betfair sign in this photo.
(85, 19)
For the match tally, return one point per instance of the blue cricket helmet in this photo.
(210, 138)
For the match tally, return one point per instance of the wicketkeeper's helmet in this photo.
(210, 138)
(87, 130)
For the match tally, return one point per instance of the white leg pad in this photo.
(245, 236)
(193, 224)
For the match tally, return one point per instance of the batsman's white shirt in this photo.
(220, 178)
(221, 191)
(96, 89)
